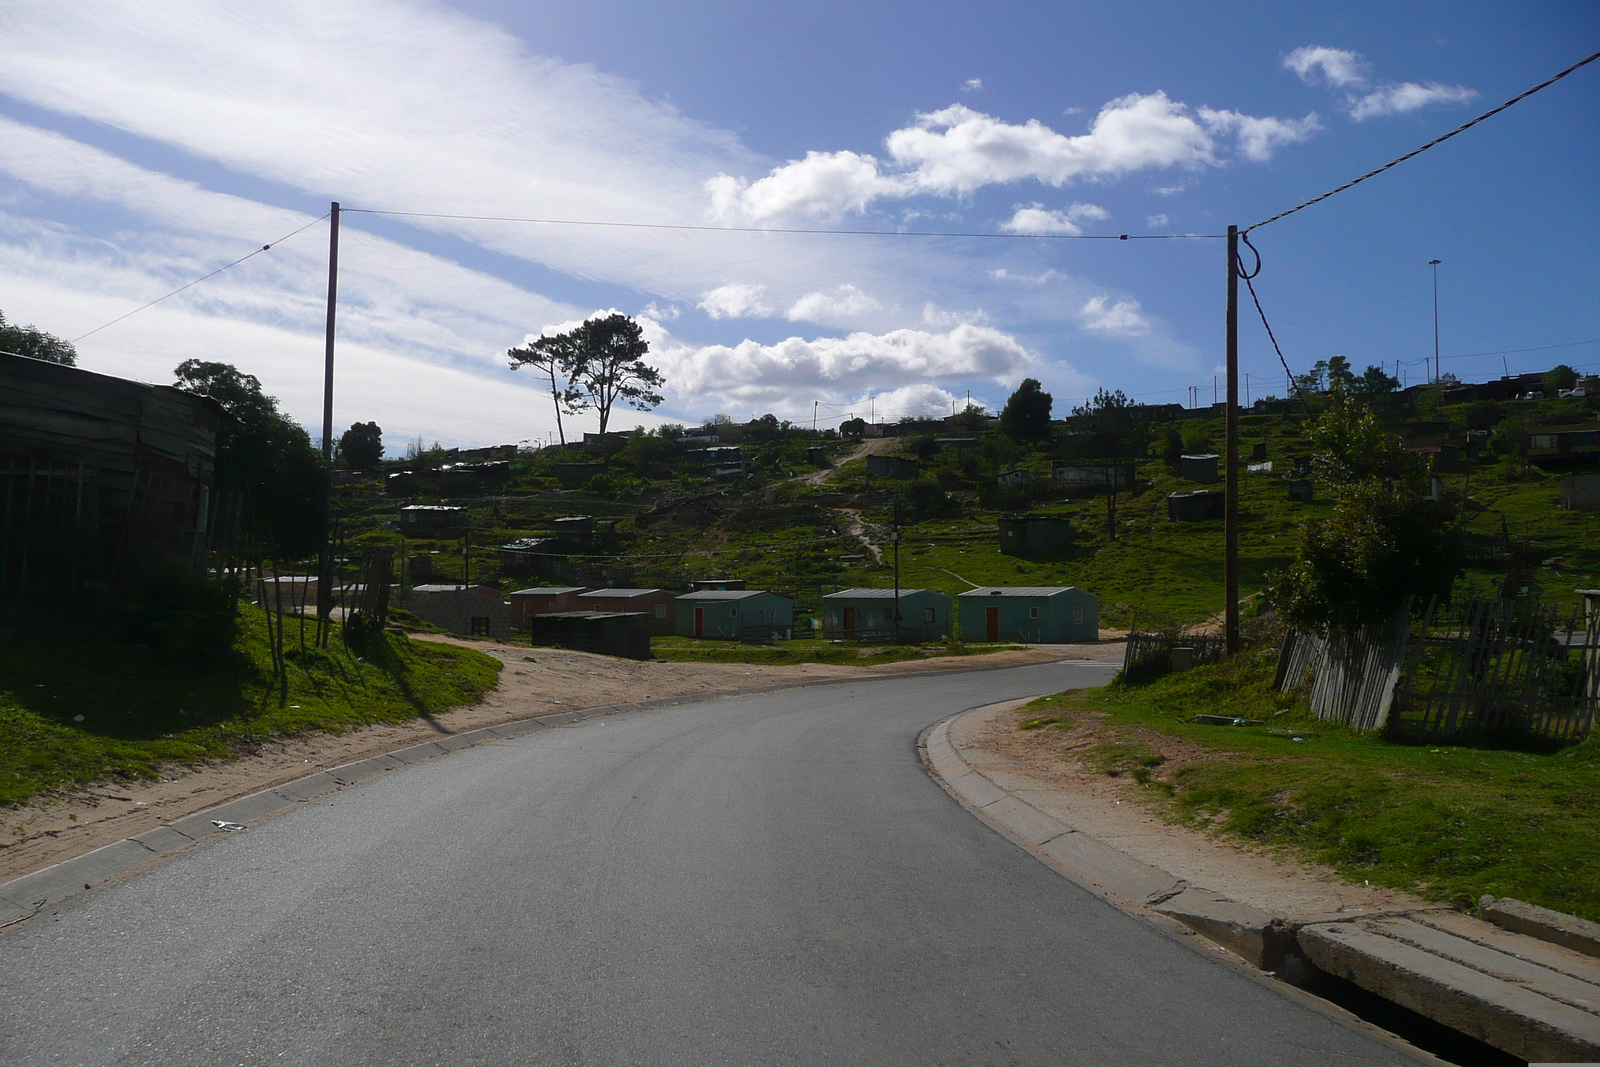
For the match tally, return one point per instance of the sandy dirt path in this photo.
(37, 835)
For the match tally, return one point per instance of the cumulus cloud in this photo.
(972, 85)
(735, 301)
(795, 371)
(1125, 318)
(957, 150)
(843, 302)
(1258, 138)
(653, 310)
(1340, 69)
(1407, 96)
(1034, 218)
(1316, 64)
(1156, 221)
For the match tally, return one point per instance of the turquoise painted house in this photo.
(864, 614)
(1036, 614)
(734, 614)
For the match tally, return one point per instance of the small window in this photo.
(927, 614)
(733, 613)
(661, 611)
(1033, 613)
(1077, 616)
(480, 626)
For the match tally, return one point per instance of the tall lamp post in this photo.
(1434, 263)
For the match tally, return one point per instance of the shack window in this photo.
(1033, 613)
(733, 613)
(661, 611)
(1077, 616)
(927, 614)
(480, 626)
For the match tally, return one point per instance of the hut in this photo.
(716, 583)
(607, 633)
(1013, 479)
(656, 603)
(1580, 492)
(735, 614)
(1199, 468)
(1030, 536)
(892, 466)
(1108, 475)
(868, 615)
(543, 600)
(1197, 506)
(431, 518)
(1039, 614)
(469, 610)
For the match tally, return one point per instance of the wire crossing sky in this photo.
(733, 178)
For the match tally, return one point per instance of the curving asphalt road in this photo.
(764, 880)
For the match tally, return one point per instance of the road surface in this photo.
(763, 880)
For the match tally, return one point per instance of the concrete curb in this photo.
(1536, 999)
(28, 894)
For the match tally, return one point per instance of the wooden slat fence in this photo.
(1352, 677)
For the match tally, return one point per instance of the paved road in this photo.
(766, 880)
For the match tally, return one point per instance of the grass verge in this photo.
(1446, 822)
(701, 650)
(75, 709)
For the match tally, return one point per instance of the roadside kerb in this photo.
(1537, 998)
(28, 894)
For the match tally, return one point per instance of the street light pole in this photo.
(1434, 263)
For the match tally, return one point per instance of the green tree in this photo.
(263, 455)
(34, 342)
(1374, 382)
(853, 427)
(1384, 541)
(362, 446)
(1558, 378)
(611, 367)
(1026, 416)
(557, 359)
(1108, 431)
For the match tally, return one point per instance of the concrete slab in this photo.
(244, 810)
(1107, 871)
(302, 789)
(561, 718)
(361, 770)
(418, 753)
(1580, 935)
(519, 728)
(1023, 822)
(457, 742)
(1260, 938)
(1525, 973)
(163, 839)
(1503, 1014)
(975, 787)
(75, 875)
(1544, 953)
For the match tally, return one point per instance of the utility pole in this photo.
(325, 555)
(1230, 551)
(896, 537)
(1434, 263)
(814, 404)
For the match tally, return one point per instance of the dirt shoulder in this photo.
(1051, 770)
(37, 835)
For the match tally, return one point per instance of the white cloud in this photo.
(843, 302)
(1156, 221)
(1034, 218)
(940, 318)
(957, 150)
(972, 85)
(735, 301)
(1123, 319)
(1171, 190)
(1316, 63)
(1001, 274)
(788, 375)
(661, 314)
(1408, 96)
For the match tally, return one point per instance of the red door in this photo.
(699, 622)
(991, 624)
(849, 622)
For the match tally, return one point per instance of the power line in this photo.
(778, 229)
(1418, 151)
(197, 281)
(1248, 284)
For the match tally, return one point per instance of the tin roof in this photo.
(550, 590)
(439, 587)
(1018, 590)
(722, 594)
(870, 594)
(619, 592)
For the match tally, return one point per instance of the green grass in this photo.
(140, 709)
(1447, 822)
(703, 650)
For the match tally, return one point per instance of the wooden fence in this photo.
(1352, 677)
(1153, 651)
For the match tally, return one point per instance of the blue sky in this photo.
(144, 145)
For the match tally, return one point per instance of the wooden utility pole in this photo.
(1230, 551)
(325, 555)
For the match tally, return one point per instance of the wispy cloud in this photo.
(1341, 69)
(735, 301)
(840, 304)
(1316, 64)
(1407, 96)
(972, 85)
(1034, 218)
(1157, 221)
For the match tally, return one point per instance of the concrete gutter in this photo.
(1536, 997)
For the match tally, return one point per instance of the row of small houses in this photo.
(621, 621)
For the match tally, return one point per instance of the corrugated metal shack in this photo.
(1040, 614)
(891, 466)
(868, 615)
(1200, 468)
(735, 615)
(608, 633)
(1198, 506)
(1032, 536)
(656, 603)
(469, 610)
(544, 600)
(103, 481)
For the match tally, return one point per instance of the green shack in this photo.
(1037, 614)
(868, 614)
(734, 615)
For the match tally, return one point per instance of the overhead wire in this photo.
(1418, 151)
(197, 281)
